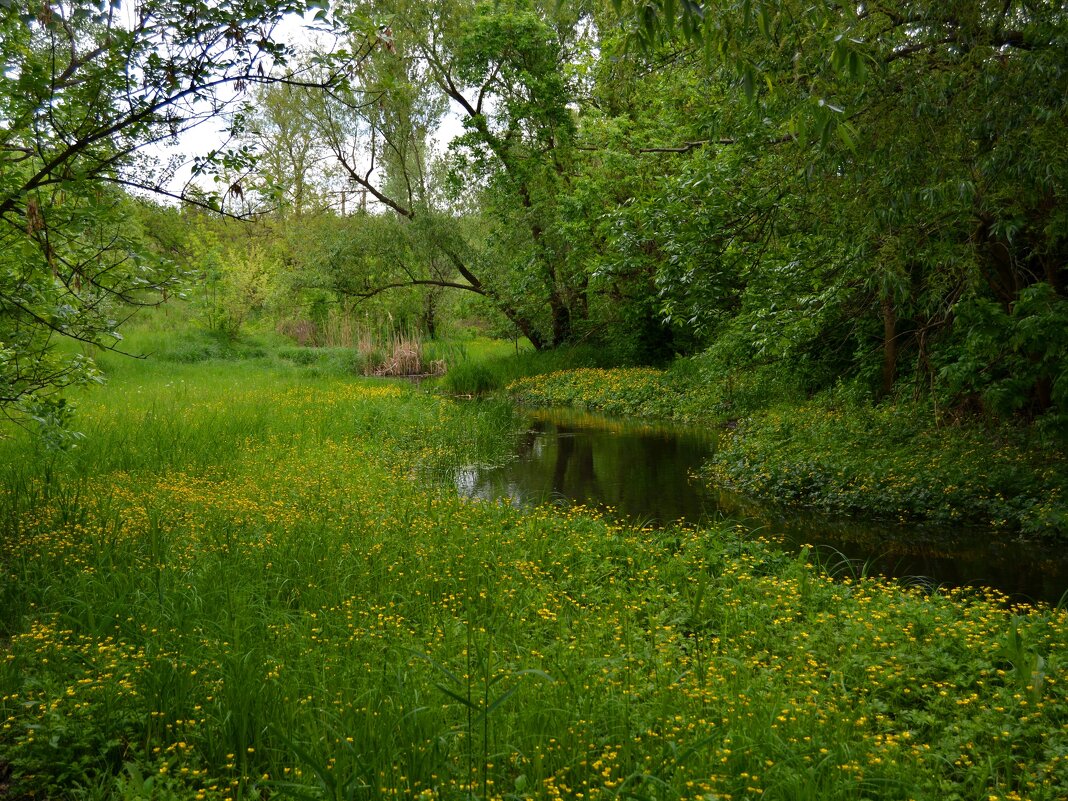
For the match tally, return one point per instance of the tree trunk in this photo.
(580, 306)
(996, 263)
(1043, 393)
(536, 339)
(525, 327)
(561, 316)
(430, 315)
(889, 346)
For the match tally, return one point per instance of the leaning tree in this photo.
(87, 89)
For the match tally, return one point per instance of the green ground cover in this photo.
(891, 462)
(245, 583)
(628, 391)
(153, 334)
(887, 461)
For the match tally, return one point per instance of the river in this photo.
(644, 472)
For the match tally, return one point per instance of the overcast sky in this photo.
(213, 134)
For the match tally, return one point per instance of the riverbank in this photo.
(234, 588)
(890, 461)
(832, 451)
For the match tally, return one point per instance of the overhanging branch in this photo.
(370, 293)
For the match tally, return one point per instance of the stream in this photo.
(643, 472)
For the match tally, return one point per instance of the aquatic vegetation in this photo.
(235, 589)
(890, 462)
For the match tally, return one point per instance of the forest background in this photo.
(849, 204)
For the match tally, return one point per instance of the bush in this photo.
(892, 462)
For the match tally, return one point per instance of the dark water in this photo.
(643, 473)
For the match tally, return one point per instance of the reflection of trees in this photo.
(574, 461)
(645, 476)
(528, 439)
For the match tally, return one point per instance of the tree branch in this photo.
(687, 147)
(370, 293)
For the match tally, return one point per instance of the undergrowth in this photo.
(887, 461)
(892, 462)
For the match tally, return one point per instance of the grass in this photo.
(486, 370)
(340, 347)
(630, 392)
(235, 588)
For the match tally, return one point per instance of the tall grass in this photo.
(340, 345)
(234, 589)
(380, 349)
(491, 369)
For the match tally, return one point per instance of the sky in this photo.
(213, 134)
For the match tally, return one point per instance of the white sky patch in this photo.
(214, 133)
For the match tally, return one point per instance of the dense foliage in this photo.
(873, 196)
(889, 203)
(85, 88)
(835, 452)
(868, 195)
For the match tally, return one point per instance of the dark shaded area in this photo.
(643, 473)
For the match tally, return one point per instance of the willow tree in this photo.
(87, 86)
(921, 148)
(503, 70)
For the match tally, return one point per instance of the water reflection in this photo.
(639, 471)
(643, 472)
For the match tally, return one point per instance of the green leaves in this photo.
(749, 81)
(847, 58)
(85, 87)
(1003, 355)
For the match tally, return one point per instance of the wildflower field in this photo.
(245, 583)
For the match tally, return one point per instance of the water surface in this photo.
(644, 472)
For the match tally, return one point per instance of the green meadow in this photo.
(832, 235)
(254, 581)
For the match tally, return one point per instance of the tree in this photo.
(503, 67)
(920, 154)
(87, 85)
(291, 158)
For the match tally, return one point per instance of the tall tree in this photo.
(921, 145)
(503, 68)
(291, 160)
(86, 86)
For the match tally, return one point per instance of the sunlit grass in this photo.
(635, 391)
(236, 588)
